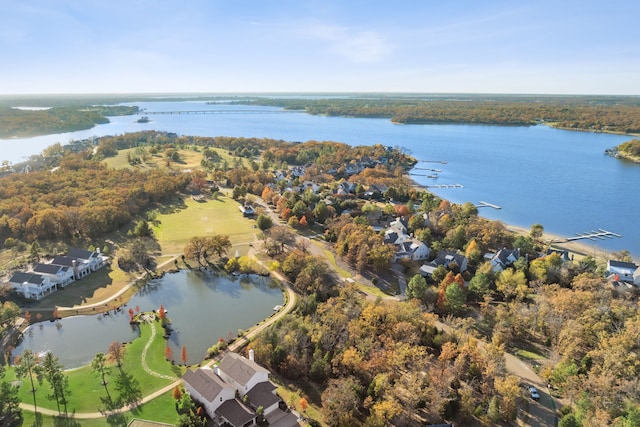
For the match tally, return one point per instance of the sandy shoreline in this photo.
(578, 248)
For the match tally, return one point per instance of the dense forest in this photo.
(621, 114)
(80, 199)
(20, 123)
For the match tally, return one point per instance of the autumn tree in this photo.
(115, 352)
(183, 355)
(512, 284)
(168, 353)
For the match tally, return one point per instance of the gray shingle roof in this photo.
(235, 412)
(205, 382)
(239, 368)
(20, 277)
(47, 268)
(262, 394)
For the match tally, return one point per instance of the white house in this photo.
(95, 259)
(58, 274)
(623, 270)
(446, 259)
(80, 268)
(241, 373)
(232, 393)
(503, 258)
(31, 285)
(208, 388)
(412, 249)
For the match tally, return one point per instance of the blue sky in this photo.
(121, 46)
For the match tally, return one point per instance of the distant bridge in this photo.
(148, 113)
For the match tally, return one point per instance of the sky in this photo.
(236, 46)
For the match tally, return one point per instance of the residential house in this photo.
(247, 210)
(636, 277)
(412, 249)
(206, 387)
(31, 285)
(233, 392)
(503, 259)
(242, 373)
(95, 259)
(446, 259)
(58, 274)
(622, 271)
(80, 269)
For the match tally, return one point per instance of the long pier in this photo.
(145, 113)
(483, 204)
(445, 186)
(600, 234)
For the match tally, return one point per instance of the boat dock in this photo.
(445, 186)
(483, 204)
(600, 234)
(443, 162)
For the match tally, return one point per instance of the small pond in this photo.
(203, 307)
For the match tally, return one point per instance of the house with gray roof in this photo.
(502, 259)
(80, 269)
(234, 390)
(58, 274)
(624, 271)
(447, 259)
(94, 259)
(31, 285)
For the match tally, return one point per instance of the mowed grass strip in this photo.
(205, 218)
(161, 409)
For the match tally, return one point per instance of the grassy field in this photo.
(85, 385)
(161, 409)
(221, 216)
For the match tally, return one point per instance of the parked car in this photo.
(534, 393)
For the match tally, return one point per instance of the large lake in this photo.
(560, 179)
(202, 306)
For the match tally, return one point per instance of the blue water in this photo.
(202, 307)
(560, 179)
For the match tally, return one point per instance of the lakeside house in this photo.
(502, 259)
(232, 393)
(46, 278)
(32, 285)
(623, 271)
(407, 247)
(447, 259)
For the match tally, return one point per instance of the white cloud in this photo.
(355, 46)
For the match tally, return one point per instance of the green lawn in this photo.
(86, 388)
(205, 218)
(161, 409)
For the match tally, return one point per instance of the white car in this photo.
(534, 393)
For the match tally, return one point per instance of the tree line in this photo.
(23, 123)
(620, 114)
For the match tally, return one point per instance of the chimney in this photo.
(251, 355)
(217, 371)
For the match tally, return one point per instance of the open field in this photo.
(222, 216)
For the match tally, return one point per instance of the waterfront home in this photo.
(31, 285)
(94, 259)
(58, 274)
(622, 271)
(503, 258)
(232, 393)
(80, 269)
(448, 259)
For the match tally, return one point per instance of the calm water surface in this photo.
(203, 307)
(560, 179)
